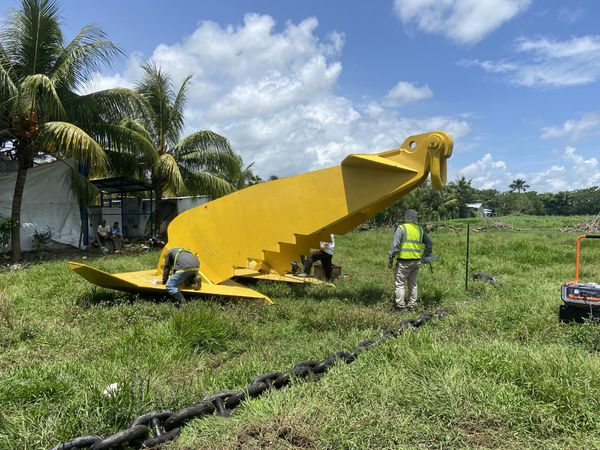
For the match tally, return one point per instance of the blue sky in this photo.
(297, 85)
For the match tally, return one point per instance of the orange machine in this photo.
(580, 299)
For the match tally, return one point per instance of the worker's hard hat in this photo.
(411, 215)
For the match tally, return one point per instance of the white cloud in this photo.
(574, 130)
(488, 173)
(579, 161)
(272, 93)
(549, 63)
(463, 21)
(570, 15)
(127, 79)
(405, 92)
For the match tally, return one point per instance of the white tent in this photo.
(48, 204)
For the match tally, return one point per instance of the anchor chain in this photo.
(154, 428)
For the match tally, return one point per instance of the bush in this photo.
(5, 230)
(41, 240)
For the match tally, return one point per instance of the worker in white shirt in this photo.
(325, 254)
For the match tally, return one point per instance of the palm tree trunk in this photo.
(15, 216)
(158, 195)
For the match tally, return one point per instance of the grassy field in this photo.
(498, 372)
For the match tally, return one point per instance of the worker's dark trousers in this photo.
(319, 255)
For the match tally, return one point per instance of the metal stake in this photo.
(467, 259)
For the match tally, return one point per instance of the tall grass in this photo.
(498, 372)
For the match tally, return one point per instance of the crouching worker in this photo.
(180, 268)
(325, 254)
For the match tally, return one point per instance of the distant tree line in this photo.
(451, 202)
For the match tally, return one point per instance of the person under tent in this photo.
(103, 235)
(116, 237)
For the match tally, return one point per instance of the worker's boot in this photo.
(179, 296)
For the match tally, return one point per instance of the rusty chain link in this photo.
(164, 426)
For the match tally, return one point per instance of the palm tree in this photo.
(518, 185)
(41, 112)
(180, 166)
(239, 176)
(464, 193)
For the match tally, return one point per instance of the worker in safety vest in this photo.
(181, 267)
(411, 243)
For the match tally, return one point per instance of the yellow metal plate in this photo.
(142, 282)
(287, 278)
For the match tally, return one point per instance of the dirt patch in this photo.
(485, 226)
(495, 225)
(274, 435)
(442, 227)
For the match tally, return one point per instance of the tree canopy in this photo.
(178, 165)
(449, 203)
(518, 185)
(43, 114)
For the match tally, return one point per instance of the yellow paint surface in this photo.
(256, 232)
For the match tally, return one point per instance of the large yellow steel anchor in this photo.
(256, 232)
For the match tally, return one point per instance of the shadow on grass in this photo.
(365, 295)
(430, 298)
(359, 295)
(106, 298)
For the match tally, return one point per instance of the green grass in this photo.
(498, 372)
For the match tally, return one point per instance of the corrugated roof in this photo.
(121, 185)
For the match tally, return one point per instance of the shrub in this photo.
(41, 240)
(5, 230)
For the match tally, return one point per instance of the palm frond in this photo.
(40, 96)
(120, 138)
(64, 139)
(106, 105)
(204, 183)
(156, 88)
(202, 141)
(177, 112)
(137, 127)
(32, 37)
(84, 190)
(89, 50)
(8, 89)
(210, 161)
(127, 165)
(168, 169)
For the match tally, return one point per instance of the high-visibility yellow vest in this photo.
(412, 246)
(185, 269)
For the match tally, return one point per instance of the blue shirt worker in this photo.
(181, 267)
(411, 243)
(116, 236)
